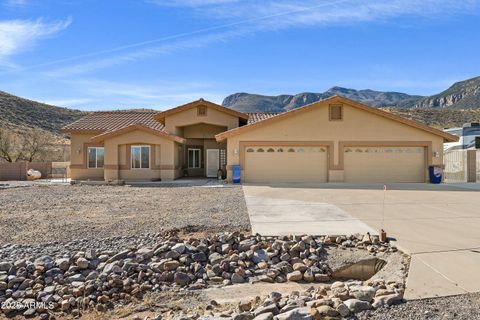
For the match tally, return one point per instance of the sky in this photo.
(106, 55)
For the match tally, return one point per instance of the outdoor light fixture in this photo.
(235, 152)
(436, 154)
(79, 150)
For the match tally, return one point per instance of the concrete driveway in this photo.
(439, 225)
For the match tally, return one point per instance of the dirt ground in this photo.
(45, 214)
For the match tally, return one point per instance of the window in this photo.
(194, 158)
(140, 157)
(95, 157)
(202, 111)
(335, 112)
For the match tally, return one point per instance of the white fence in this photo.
(456, 166)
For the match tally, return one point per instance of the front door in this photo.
(213, 162)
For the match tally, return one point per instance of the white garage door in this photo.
(285, 164)
(384, 164)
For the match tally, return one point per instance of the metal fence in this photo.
(478, 165)
(455, 166)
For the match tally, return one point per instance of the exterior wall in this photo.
(78, 158)
(202, 131)
(175, 122)
(203, 145)
(358, 127)
(117, 157)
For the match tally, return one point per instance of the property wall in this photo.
(174, 122)
(78, 158)
(358, 127)
(13, 171)
(117, 157)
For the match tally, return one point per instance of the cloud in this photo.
(94, 94)
(14, 3)
(247, 17)
(278, 14)
(20, 35)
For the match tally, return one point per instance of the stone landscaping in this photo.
(98, 281)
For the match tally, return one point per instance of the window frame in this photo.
(96, 158)
(149, 156)
(194, 158)
(330, 107)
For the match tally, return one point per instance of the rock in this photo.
(112, 268)
(302, 313)
(199, 257)
(63, 264)
(5, 266)
(271, 308)
(300, 267)
(327, 311)
(356, 305)
(294, 276)
(65, 305)
(236, 278)
(215, 258)
(82, 263)
(386, 300)
(264, 316)
(364, 293)
(259, 256)
(244, 306)
(171, 265)
(308, 276)
(242, 316)
(146, 253)
(179, 247)
(119, 256)
(245, 245)
(181, 278)
(343, 310)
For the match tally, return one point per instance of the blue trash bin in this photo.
(435, 173)
(236, 172)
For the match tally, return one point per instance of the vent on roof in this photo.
(335, 112)
(202, 111)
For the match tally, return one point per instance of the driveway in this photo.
(438, 225)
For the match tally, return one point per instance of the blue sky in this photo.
(100, 55)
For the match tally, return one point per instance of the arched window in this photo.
(250, 150)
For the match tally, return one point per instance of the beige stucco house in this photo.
(333, 140)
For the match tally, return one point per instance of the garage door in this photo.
(384, 164)
(285, 164)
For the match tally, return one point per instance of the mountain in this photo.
(461, 95)
(18, 114)
(246, 102)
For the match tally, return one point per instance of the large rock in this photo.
(179, 247)
(386, 300)
(302, 313)
(5, 266)
(199, 257)
(63, 264)
(365, 293)
(245, 245)
(356, 305)
(82, 263)
(294, 276)
(264, 316)
(259, 256)
(215, 258)
(181, 278)
(271, 308)
(171, 265)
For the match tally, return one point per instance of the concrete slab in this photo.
(275, 217)
(438, 224)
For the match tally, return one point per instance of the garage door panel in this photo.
(285, 164)
(384, 164)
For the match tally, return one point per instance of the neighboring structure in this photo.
(469, 137)
(333, 140)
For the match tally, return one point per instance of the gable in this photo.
(358, 121)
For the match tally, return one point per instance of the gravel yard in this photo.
(60, 214)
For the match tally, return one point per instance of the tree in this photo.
(30, 145)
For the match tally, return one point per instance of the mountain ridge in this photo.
(463, 94)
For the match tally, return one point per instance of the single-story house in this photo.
(332, 140)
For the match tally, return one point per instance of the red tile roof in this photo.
(114, 120)
(259, 116)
